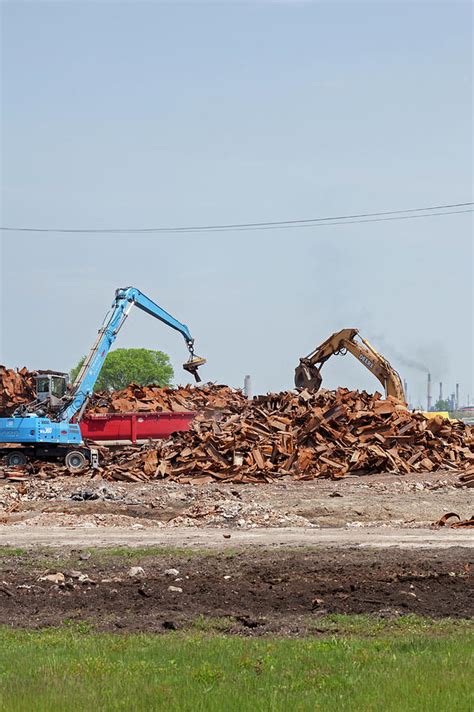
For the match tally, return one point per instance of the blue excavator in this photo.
(48, 427)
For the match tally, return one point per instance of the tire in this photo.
(16, 458)
(75, 461)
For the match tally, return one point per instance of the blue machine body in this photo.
(31, 428)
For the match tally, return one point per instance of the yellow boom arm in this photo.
(308, 373)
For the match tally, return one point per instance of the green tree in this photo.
(125, 366)
(442, 405)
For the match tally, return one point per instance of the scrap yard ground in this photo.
(304, 500)
(261, 557)
(357, 503)
(290, 517)
(238, 588)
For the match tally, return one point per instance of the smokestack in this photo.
(405, 388)
(441, 390)
(428, 393)
(248, 387)
(457, 396)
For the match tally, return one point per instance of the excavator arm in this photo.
(308, 372)
(124, 300)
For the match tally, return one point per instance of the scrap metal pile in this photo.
(16, 388)
(204, 400)
(302, 435)
(329, 434)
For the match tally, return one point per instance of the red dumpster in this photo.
(126, 428)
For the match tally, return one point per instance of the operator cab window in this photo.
(58, 386)
(42, 385)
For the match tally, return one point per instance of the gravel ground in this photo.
(376, 500)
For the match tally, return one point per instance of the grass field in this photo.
(354, 663)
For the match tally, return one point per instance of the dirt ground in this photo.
(242, 590)
(247, 559)
(212, 538)
(371, 501)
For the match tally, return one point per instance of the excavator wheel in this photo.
(16, 458)
(307, 378)
(75, 461)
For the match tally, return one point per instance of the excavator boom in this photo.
(308, 372)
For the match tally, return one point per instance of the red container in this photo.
(126, 428)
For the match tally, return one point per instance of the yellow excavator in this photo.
(308, 373)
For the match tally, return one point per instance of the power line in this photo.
(344, 222)
(382, 216)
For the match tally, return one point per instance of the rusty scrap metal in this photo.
(460, 524)
(329, 434)
(303, 435)
(16, 388)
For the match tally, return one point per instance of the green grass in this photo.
(133, 554)
(213, 624)
(11, 551)
(370, 625)
(49, 557)
(127, 552)
(425, 666)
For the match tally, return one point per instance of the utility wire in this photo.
(333, 222)
(408, 214)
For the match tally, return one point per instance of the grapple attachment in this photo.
(192, 366)
(307, 377)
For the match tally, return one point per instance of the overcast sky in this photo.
(160, 114)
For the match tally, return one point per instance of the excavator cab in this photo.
(51, 387)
